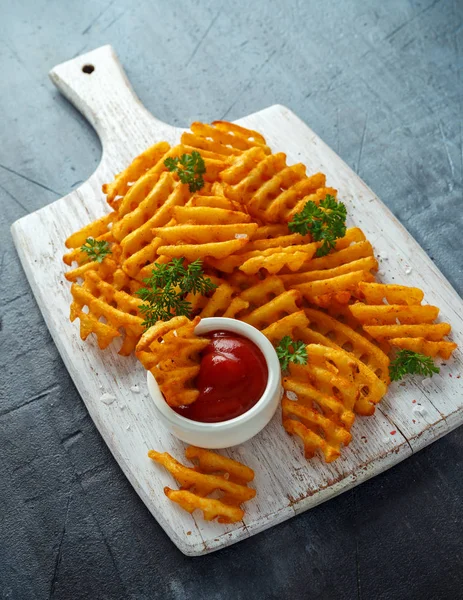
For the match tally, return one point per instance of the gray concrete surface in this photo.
(378, 81)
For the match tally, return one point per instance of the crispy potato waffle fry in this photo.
(134, 171)
(434, 332)
(265, 275)
(105, 268)
(108, 310)
(284, 304)
(207, 233)
(133, 229)
(295, 325)
(170, 351)
(267, 186)
(214, 474)
(422, 346)
(339, 288)
(387, 314)
(376, 293)
(334, 278)
(322, 390)
(367, 264)
(393, 315)
(193, 251)
(223, 138)
(350, 341)
(223, 302)
(271, 253)
(316, 431)
(371, 388)
(97, 230)
(318, 407)
(313, 327)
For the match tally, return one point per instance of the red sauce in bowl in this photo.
(232, 378)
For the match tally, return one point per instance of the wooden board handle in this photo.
(98, 87)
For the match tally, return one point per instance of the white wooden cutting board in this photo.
(409, 418)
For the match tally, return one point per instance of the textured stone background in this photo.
(378, 81)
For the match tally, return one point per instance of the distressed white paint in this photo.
(286, 483)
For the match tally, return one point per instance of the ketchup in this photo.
(232, 377)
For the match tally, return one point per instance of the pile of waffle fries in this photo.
(237, 224)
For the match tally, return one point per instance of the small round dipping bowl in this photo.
(234, 431)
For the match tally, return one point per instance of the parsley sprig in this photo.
(167, 286)
(96, 250)
(326, 222)
(190, 169)
(409, 362)
(291, 351)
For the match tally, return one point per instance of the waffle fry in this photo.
(109, 310)
(422, 346)
(319, 399)
(335, 402)
(434, 332)
(203, 238)
(237, 224)
(293, 325)
(223, 138)
(347, 249)
(267, 302)
(367, 264)
(315, 430)
(371, 388)
(266, 185)
(340, 288)
(170, 351)
(371, 373)
(403, 322)
(207, 215)
(223, 302)
(134, 171)
(263, 291)
(144, 211)
(274, 254)
(324, 352)
(319, 195)
(203, 234)
(139, 246)
(96, 230)
(349, 340)
(284, 304)
(387, 314)
(213, 473)
(375, 293)
(209, 249)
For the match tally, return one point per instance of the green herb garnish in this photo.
(408, 362)
(291, 351)
(167, 287)
(190, 169)
(326, 222)
(96, 250)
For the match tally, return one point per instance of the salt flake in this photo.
(107, 399)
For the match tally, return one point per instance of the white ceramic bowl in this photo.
(234, 431)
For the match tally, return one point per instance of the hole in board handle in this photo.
(88, 69)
